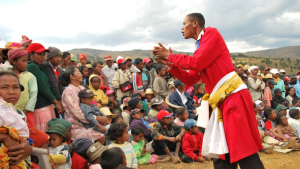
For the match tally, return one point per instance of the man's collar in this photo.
(201, 33)
(179, 92)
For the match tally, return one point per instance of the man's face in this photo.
(128, 62)
(109, 63)
(187, 29)
(140, 66)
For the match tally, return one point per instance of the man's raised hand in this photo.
(161, 53)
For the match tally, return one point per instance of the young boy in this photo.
(294, 121)
(277, 98)
(156, 105)
(18, 59)
(90, 110)
(82, 60)
(281, 109)
(182, 116)
(192, 142)
(94, 153)
(160, 83)
(167, 136)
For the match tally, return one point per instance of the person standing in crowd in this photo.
(65, 61)
(139, 82)
(109, 70)
(293, 80)
(25, 42)
(82, 59)
(52, 71)
(211, 54)
(18, 59)
(70, 100)
(97, 67)
(264, 70)
(291, 94)
(121, 76)
(255, 84)
(128, 62)
(160, 83)
(73, 61)
(182, 98)
(280, 83)
(44, 110)
(147, 70)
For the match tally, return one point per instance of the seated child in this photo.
(149, 94)
(294, 121)
(126, 110)
(108, 114)
(281, 109)
(192, 142)
(94, 153)
(59, 155)
(156, 106)
(90, 110)
(67, 125)
(113, 158)
(146, 120)
(197, 94)
(118, 133)
(277, 98)
(139, 146)
(285, 128)
(167, 136)
(113, 104)
(81, 146)
(94, 85)
(182, 116)
(117, 119)
(136, 120)
(145, 105)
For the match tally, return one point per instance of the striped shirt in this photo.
(129, 153)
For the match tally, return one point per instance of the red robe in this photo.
(210, 63)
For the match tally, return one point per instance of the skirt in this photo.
(42, 116)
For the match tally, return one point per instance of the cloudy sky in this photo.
(246, 25)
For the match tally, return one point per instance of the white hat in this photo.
(257, 103)
(274, 71)
(282, 71)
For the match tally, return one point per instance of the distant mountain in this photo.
(284, 52)
(96, 54)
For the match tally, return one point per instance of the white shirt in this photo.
(109, 73)
(183, 97)
(296, 126)
(199, 38)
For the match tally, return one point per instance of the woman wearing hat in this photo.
(44, 110)
(255, 84)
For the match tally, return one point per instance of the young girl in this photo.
(84, 71)
(136, 120)
(197, 94)
(182, 116)
(59, 155)
(118, 132)
(139, 146)
(18, 58)
(291, 94)
(99, 97)
(284, 128)
(160, 83)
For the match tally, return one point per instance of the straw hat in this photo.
(149, 91)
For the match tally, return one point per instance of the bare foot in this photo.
(174, 159)
(164, 159)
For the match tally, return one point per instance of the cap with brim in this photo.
(127, 58)
(121, 61)
(89, 66)
(95, 151)
(155, 101)
(257, 103)
(108, 92)
(282, 71)
(274, 71)
(269, 76)
(58, 129)
(107, 112)
(73, 59)
(149, 91)
(189, 123)
(266, 68)
(280, 107)
(85, 93)
(37, 47)
(162, 114)
(277, 90)
(272, 82)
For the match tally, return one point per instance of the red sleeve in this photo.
(268, 125)
(188, 78)
(79, 162)
(203, 56)
(187, 149)
(200, 140)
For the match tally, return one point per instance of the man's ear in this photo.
(195, 23)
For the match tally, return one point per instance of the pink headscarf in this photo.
(15, 53)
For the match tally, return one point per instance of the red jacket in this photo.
(192, 143)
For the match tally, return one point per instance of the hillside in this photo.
(284, 52)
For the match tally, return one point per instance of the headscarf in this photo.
(252, 68)
(15, 53)
(24, 39)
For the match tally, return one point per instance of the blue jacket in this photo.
(176, 99)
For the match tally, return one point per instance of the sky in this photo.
(118, 25)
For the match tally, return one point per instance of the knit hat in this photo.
(108, 57)
(15, 53)
(24, 39)
(62, 122)
(133, 102)
(162, 114)
(82, 56)
(136, 94)
(81, 145)
(189, 123)
(58, 129)
(107, 112)
(53, 52)
(39, 137)
(280, 107)
(272, 82)
(261, 68)
(282, 76)
(95, 151)
(291, 76)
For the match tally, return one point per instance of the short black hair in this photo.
(278, 119)
(65, 54)
(116, 118)
(136, 94)
(265, 80)
(197, 17)
(96, 63)
(116, 130)
(81, 68)
(267, 113)
(243, 77)
(138, 61)
(159, 67)
(111, 158)
(95, 77)
(180, 111)
(169, 110)
(294, 101)
(136, 130)
(64, 78)
(293, 113)
(14, 75)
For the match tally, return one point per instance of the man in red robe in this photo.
(210, 63)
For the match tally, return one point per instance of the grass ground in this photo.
(271, 161)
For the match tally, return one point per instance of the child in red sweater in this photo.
(192, 142)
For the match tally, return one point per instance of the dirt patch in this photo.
(271, 161)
